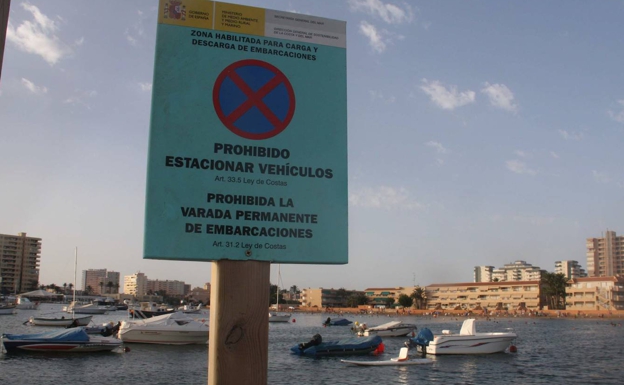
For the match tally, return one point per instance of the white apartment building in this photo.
(605, 256)
(571, 269)
(483, 273)
(100, 281)
(135, 284)
(171, 288)
(19, 263)
(517, 271)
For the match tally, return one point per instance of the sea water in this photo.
(549, 351)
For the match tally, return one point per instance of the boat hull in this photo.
(273, 317)
(7, 310)
(81, 321)
(164, 337)
(416, 361)
(481, 343)
(401, 331)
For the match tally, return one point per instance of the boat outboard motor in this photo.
(422, 339)
(316, 340)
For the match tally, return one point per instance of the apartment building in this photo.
(571, 269)
(503, 295)
(595, 293)
(171, 288)
(101, 281)
(19, 263)
(326, 297)
(483, 273)
(380, 296)
(605, 255)
(517, 271)
(135, 285)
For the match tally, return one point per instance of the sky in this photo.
(479, 133)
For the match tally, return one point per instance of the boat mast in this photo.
(75, 272)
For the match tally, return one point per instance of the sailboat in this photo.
(275, 316)
(62, 321)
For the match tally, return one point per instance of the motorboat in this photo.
(167, 329)
(60, 321)
(7, 309)
(402, 360)
(389, 329)
(279, 317)
(468, 341)
(190, 309)
(89, 308)
(336, 322)
(351, 346)
(75, 340)
(24, 303)
(148, 310)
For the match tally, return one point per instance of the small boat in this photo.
(62, 321)
(89, 308)
(7, 309)
(390, 329)
(278, 317)
(75, 340)
(351, 346)
(190, 309)
(24, 303)
(148, 310)
(401, 360)
(336, 322)
(468, 341)
(167, 329)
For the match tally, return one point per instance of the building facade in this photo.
(483, 273)
(170, 288)
(499, 296)
(100, 281)
(322, 298)
(380, 296)
(517, 271)
(571, 269)
(595, 293)
(605, 256)
(19, 263)
(135, 284)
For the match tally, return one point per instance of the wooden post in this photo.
(238, 349)
(4, 23)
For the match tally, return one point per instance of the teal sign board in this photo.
(248, 137)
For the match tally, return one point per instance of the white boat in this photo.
(148, 310)
(190, 309)
(7, 310)
(62, 321)
(389, 329)
(24, 303)
(168, 329)
(74, 340)
(89, 308)
(468, 341)
(275, 316)
(401, 360)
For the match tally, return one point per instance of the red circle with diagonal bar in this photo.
(254, 99)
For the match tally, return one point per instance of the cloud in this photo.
(81, 98)
(519, 167)
(376, 95)
(500, 97)
(383, 197)
(37, 36)
(137, 31)
(375, 37)
(37, 90)
(618, 116)
(601, 177)
(437, 146)
(554, 155)
(147, 87)
(390, 13)
(570, 135)
(523, 154)
(447, 99)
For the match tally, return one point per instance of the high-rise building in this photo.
(517, 271)
(483, 273)
(100, 281)
(171, 288)
(135, 284)
(19, 263)
(571, 269)
(605, 256)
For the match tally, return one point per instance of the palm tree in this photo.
(64, 287)
(109, 286)
(71, 286)
(117, 288)
(101, 287)
(554, 290)
(419, 297)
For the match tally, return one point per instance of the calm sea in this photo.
(550, 351)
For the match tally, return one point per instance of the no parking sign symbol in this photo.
(254, 99)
